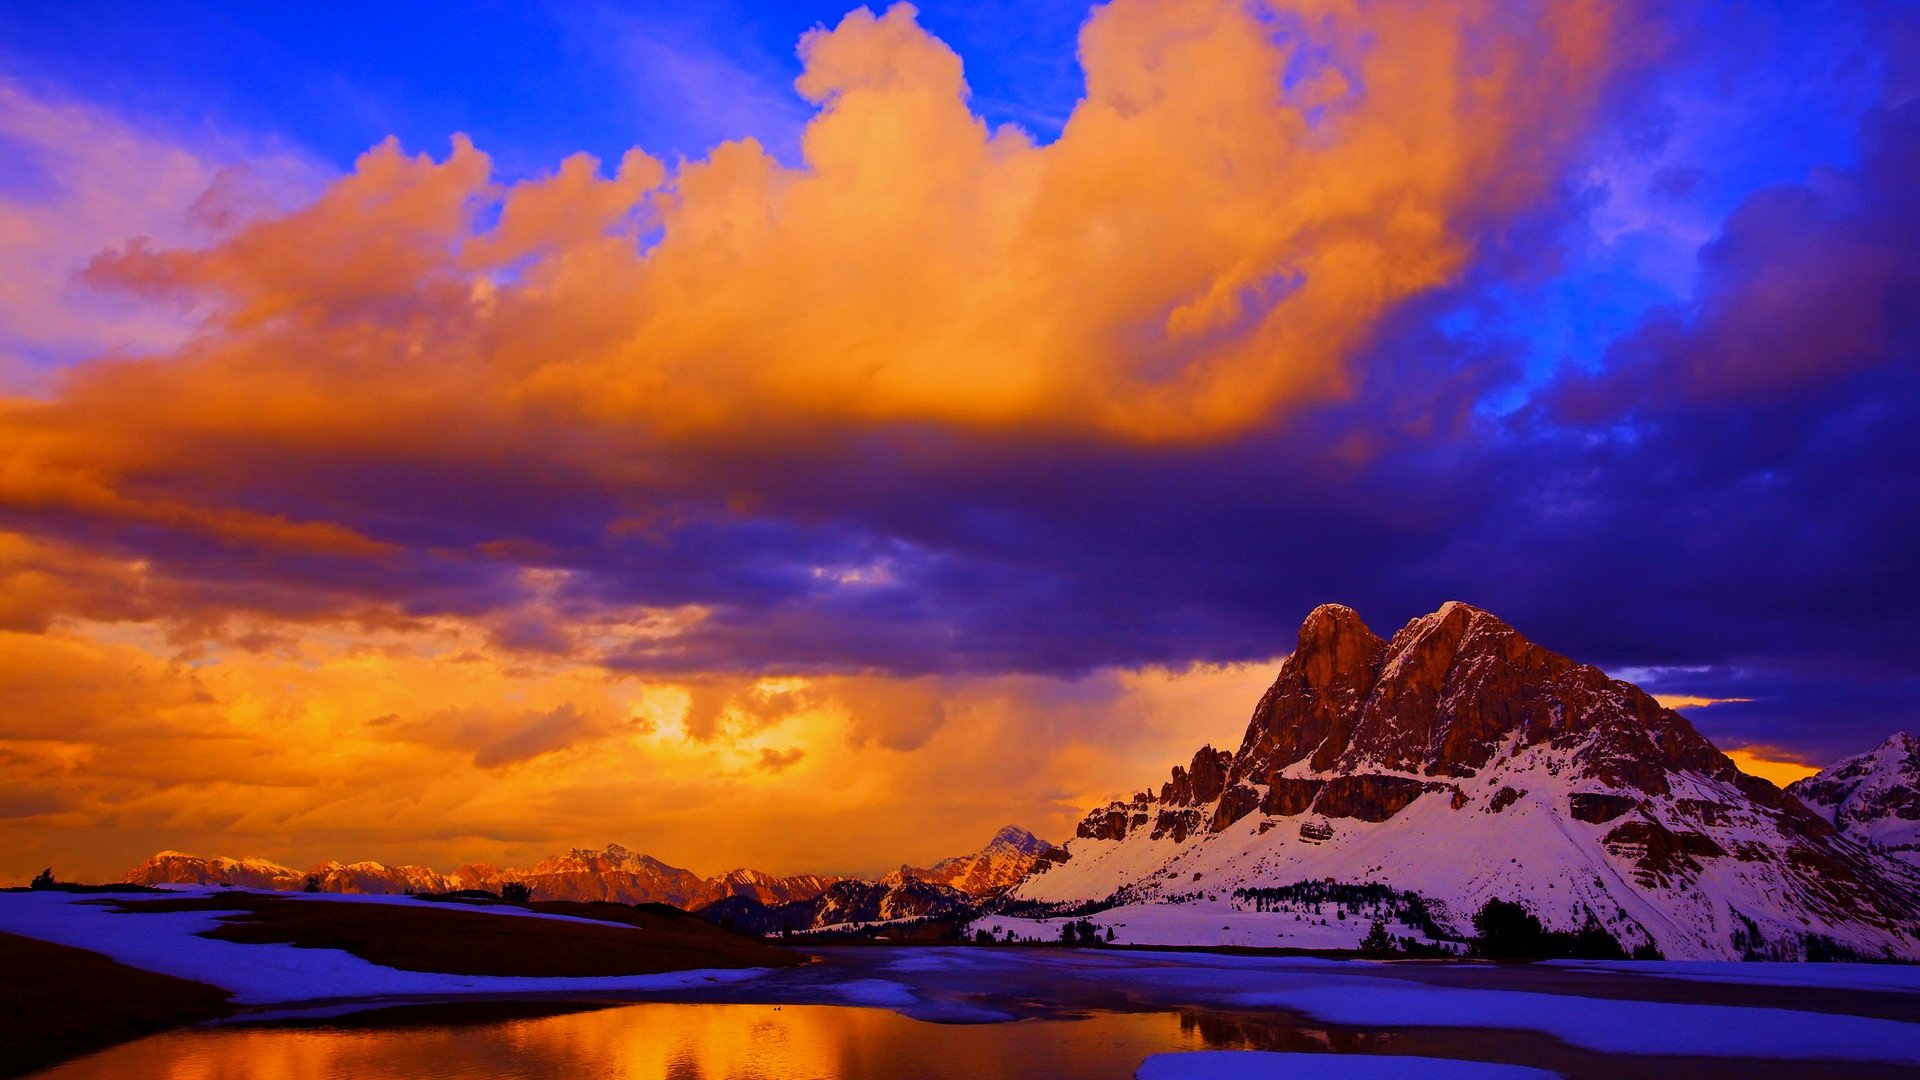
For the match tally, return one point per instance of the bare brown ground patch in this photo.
(59, 1002)
(458, 940)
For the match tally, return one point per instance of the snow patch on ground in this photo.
(1263, 1065)
(168, 943)
(883, 993)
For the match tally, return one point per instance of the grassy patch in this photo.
(458, 940)
(60, 1002)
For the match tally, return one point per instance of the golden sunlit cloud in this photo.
(916, 266)
(1760, 762)
(342, 745)
(1690, 701)
(1764, 762)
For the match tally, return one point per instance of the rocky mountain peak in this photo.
(1874, 797)
(1020, 840)
(1011, 855)
(1337, 650)
(1345, 698)
(1356, 725)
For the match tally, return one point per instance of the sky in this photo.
(809, 438)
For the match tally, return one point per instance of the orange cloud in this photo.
(1765, 762)
(1241, 197)
(1202, 247)
(1694, 701)
(426, 746)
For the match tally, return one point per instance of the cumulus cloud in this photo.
(920, 267)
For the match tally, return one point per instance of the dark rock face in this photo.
(1659, 853)
(1370, 798)
(1441, 696)
(1178, 824)
(1597, 807)
(1314, 704)
(1199, 783)
(1107, 823)
(1235, 803)
(1289, 796)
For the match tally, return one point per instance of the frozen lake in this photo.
(974, 1012)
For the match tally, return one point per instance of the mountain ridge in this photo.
(1462, 762)
(615, 873)
(1008, 858)
(1873, 796)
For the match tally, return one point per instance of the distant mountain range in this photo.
(1410, 779)
(623, 876)
(1460, 762)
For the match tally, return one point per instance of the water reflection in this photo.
(680, 1042)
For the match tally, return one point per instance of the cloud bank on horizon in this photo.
(791, 479)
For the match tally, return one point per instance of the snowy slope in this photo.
(1873, 797)
(1464, 763)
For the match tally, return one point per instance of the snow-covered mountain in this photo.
(1011, 855)
(373, 877)
(845, 904)
(1460, 762)
(950, 887)
(1873, 796)
(766, 888)
(180, 868)
(616, 874)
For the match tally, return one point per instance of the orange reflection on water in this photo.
(662, 1042)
